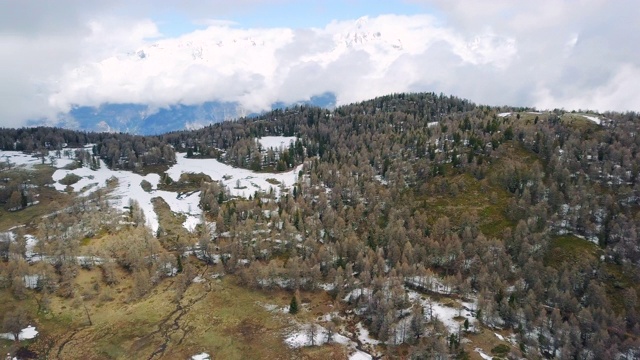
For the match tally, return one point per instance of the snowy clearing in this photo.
(430, 283)
(446, 314)
(301, 338)
(504, 114)
(276, 142)
(27, 161)
(241, 182)
(18, 158)
(128, 186)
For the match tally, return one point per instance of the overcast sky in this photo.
(580, 54)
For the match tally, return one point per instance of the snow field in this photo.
(128, 187)
(249, 182)
(27, 161)
(18, 158)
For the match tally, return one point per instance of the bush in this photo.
(146, 186)
(501, 350)
(70, 179)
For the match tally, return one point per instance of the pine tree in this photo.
(179, 265)
(293, 306)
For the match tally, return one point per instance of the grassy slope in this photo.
(218, 317)
(484, 197)
(40, 176)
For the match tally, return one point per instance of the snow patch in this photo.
(381, 180)
(482, 354)
(301, 338)
(27, 333)
(595, 119)
(202, 356)
(364, 337)
(360, 355)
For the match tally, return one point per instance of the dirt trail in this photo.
(170, 326)
(167, 328)
(65, 342)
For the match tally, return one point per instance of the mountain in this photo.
(225, 72)
(141, 119)
(425, 222)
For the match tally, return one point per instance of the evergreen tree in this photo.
(293, 305)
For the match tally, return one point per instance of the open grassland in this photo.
(216, 316)
(49, 199)
(570, 248)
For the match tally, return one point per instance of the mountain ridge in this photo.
(142, 119)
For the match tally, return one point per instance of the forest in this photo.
(527, 220)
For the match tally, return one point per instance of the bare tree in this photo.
(312, 332)
(14, 321)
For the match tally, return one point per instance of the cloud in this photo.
(571, 54)
(356, 60)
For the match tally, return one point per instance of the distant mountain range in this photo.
(223, 73)
(141, 119)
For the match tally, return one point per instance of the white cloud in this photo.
(571, 54)
(354, 59)
(568, 51)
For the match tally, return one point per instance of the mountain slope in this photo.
(415, 221)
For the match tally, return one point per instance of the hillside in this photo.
(407, 226)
